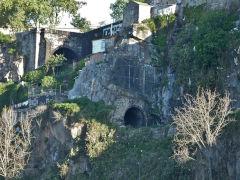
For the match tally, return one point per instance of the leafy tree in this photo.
(34, 76)
(53, 62)
(117, 9)
(82, 23)
(198, 124)
(19, 14)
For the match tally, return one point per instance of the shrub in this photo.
(53, 62)
(235, 125)
(12, 93)
(12, 51)
(99, 137)
(4, 38)
(63, 169)
(69, 108)
(133, 150)
(161, 42)
(11, 44)
(199, 50)
(34, 76)
(48, 82)
(193, 14)
(159, 22)
(211, 40)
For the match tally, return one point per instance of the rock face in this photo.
(11, 66)
(225, 159)
(124, 78)
(53, 140)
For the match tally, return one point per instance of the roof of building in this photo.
(141, 3)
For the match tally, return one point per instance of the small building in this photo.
(135, 13)
(164, 10)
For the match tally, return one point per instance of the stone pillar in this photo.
(37, 47)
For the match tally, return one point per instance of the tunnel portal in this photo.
(134, 117)
(67, 53)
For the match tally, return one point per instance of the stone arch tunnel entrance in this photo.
(134, 117)
(67, 53)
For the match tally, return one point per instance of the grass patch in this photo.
(135, 153)
(84, 108)
(234, 126)
(11, 93)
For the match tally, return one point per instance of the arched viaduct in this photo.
(37, 45)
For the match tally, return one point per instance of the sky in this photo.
(95, 11)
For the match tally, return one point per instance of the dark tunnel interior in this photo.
(134, 117)
(69, 54)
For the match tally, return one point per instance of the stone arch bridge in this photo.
(37, 45)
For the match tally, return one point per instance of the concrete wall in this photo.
(130, 14)
(27, 47)
(144, 12)
(161, 2)
(164, 10)
(135, 13)
(212, 4)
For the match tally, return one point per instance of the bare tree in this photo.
(15, 139)
(198, 124)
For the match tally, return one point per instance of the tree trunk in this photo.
(209, 167)
(207, 152)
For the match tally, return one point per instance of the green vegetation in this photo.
(160, 23)
(234, 126)
(12, 93)
(55, 73)
(199, 50)
(5, 38)
(11, 44)
(83, 108)
(99, 138)
(53, 62)
(160, 41)
(22, 14)
(141, 28)
(193, 14)
(116, 152)
(34, 76)
(81, 23)
(160, 27)
(70, 109)
(48, 82)
(135, 153)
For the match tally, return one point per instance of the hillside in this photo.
(109, 115)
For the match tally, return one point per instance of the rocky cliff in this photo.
(11, 65)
